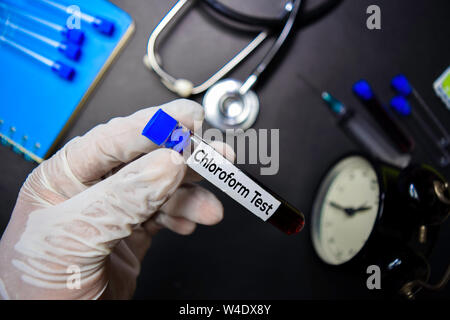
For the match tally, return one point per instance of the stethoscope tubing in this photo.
(288, 18)
(251, 80)
(168, 80)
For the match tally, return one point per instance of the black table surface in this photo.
(243, 257)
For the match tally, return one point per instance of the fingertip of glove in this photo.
(194, 108)
(224, 149)
(184, 110)
(215, 209)
(168, 158)
(208, 207)
(164, 165)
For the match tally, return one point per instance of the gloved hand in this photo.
(94, 207)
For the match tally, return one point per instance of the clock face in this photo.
(345, 210)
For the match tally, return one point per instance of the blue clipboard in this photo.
(36, 106)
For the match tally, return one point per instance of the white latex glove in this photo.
(68, 214)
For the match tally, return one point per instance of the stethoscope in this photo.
(230, 103)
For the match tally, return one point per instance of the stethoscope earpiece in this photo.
(183, 87)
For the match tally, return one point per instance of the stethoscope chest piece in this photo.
(227, 108)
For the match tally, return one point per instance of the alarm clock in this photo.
(347, 207)
(368, 212)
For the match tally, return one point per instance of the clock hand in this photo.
(361, 209)
(348, 211)
(336, 206)
(352, 211)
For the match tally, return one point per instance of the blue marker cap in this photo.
(401, 105)
(70, 50)
(159, 128)
(104, 26)
(63, 70)
(363, 90)
(401, 85)
(74, 35)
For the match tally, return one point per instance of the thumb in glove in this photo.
(69, 217)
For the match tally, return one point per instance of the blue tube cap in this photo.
(401, 105)
(160, 127)
(401, 85)
(74, 35)
(70, 50)
(104, 26)
(363, 90)
(63, 70)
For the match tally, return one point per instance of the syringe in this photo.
(365, 134)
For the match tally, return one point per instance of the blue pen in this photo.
(73, 35)
(100, 24)
(64, 71)
(70, 50)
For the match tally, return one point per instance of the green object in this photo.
(442, 87)
(446, 84)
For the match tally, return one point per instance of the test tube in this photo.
(70, 50)
(401, 85)
(64, 71)
(403, 109)
(100, 24)
(165, 131)
(75, 36)
(402, 140)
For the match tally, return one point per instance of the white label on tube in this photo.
(224, 175)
